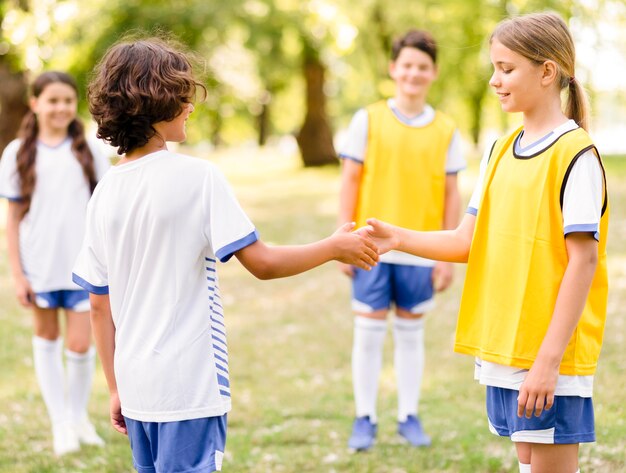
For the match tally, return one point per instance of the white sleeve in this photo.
(101, 160)
(9, 179)
(90, 270)
(474, 202)
(227, 227)
(355, 143)
(584, 196)
(455, 161)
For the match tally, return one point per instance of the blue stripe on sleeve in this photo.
(472, 211)
(351, 158)
(225, 253)
(99, 290)
(11, 198)
(583, 228)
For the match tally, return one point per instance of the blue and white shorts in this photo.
(77, 301)
(195, 445)
(570, 419)
(409, 287)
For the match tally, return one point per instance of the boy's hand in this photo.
(537, 391)
(382, 234)
(353, 248)
(443, 273)
(117, 419)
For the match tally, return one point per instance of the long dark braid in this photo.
(29, 130)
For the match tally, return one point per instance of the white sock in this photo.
(524, 467)
(367, 358)
(47, 358)
(80, 368)
(408, 337)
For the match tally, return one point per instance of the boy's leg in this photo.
(413, 294)
(370, 303)
(554, 458)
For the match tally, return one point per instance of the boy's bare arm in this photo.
(269, 262)
(537, 391)
(104, 335)
(443, 272)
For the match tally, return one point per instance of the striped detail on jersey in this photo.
(218, 328)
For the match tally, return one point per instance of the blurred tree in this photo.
(13, 79)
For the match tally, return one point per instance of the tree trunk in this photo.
(315, 138)
(12, 103)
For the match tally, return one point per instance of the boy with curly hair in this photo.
(156, 225)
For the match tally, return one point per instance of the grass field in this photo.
(290, 346)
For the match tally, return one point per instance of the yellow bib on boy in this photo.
(518, 258)
(404, 173)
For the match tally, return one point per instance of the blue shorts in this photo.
(569, 420)
(195, 445)
(77, 301)
(408, 287)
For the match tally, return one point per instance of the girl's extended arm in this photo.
(22, 287)
(444, 245)
(537, 391)
(269, 262)
(104, 335)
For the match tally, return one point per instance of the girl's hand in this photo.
(537, 391)
(443, 274)
(353, 248)
(24, 292)
(382, 234)
(117, 419)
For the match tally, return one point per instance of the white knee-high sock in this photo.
(367, 356)
(524, 467)
(80, 368)
(48, 361)
(408, 337)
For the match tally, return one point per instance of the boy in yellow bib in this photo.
(534, 237)
(400, 162)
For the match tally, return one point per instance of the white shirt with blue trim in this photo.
(51, 232)
(354, 148)
(582, 209)
(155, 229)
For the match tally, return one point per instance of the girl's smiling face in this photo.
(55, 107)
(517, 81)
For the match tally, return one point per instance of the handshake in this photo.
(362, 247)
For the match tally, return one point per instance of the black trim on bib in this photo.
(569, 170)
(518, 137)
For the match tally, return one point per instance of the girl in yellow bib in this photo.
(534, 238)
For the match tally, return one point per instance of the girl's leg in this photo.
(48, 362)
(80, 359)
(523, 456)
(554, 458)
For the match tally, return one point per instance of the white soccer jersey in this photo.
(155, 227)
(582, 209)
(52, 231)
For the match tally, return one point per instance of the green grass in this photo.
(290, 343)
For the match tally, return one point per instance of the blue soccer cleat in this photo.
(411, 430)
(363, 434)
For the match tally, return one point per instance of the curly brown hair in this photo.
(136, 84)
(29, 131)
(418, 39)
